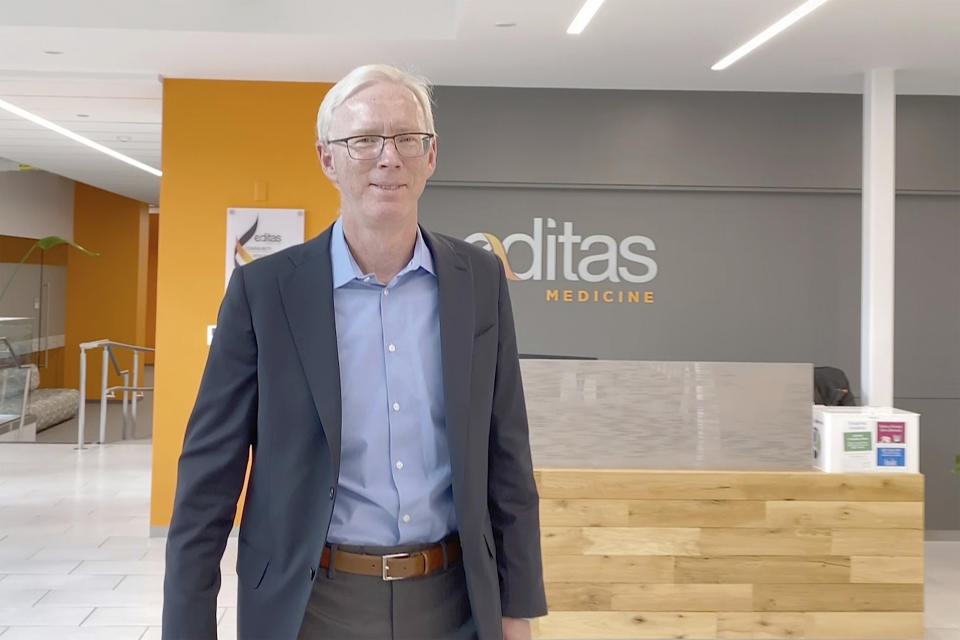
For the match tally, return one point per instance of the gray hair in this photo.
(363, 76)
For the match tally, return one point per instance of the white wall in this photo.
(35, 204)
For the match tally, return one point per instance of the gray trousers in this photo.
(347, 606)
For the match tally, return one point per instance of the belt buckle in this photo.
(391, 556)
(383, 565)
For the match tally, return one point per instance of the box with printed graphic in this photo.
(851, 439)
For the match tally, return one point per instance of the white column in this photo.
(879, 189)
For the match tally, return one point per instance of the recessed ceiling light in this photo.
(76, 137)
(83, 115)
(124, 138)
(780, 25)
(584, 16)
(505, 24)
(54, 53)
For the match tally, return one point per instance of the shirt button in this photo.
(386, 292)
(331, 492)
(406, 518)
(399, 464)
(392, 347)
(396, 406)
(367, 279)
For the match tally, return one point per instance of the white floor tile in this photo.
(82, 554)
(228, 625)
(109, 567)
(135, 584)
(43, 616)
(13, 597)
(53, 567)
(74, 633)
(100, 598)
(12, 552)
(48, 582)
(154, 633)
(125, 616)
(134, 542)
(940, 608)
(940, 634)
(57, 540)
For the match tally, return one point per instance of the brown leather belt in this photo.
(395, 566)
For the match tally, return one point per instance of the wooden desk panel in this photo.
(707, 554)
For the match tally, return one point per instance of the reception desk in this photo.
(672, 508)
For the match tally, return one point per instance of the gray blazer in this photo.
(272, 384)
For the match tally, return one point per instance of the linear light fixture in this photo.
(780, 25)
(76, 137)
(584, 16)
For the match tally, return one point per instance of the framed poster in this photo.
(254, 233)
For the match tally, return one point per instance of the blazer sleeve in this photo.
(212, 467)
(512, 493)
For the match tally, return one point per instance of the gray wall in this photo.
(753, 202)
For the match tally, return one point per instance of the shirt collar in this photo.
(346, 269)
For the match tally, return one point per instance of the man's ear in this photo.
(325, 155)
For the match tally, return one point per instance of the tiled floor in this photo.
(76, 561)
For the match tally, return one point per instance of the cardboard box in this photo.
(867, 439)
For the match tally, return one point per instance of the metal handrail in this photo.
(108, 392)
(26, 385)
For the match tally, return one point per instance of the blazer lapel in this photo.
(456, 343)
(307, 296)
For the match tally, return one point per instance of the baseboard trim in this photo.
(942, 535)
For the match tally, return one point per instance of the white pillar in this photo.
(879, 190)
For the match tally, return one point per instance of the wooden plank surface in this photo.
(623, 541)
(649, 569)
(772, 542)
(845, 515)
(763, 569)
(649, 597)
(876, 625)
(621, 624)
(837, 597)
(669, 554)
(877, 542)
(727, 485)
(885, 569)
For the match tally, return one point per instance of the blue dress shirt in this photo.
(395, 484)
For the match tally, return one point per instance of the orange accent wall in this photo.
(106, 295)
(154, 228)
(225, 144)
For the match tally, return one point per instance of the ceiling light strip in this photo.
(584, 16)
(780, 25)
(17, 111)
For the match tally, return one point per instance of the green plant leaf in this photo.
(43, 244)
(51, 241)
(956, 464)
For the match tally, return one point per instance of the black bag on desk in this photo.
(831, 387)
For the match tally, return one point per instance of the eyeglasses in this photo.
(368, 147)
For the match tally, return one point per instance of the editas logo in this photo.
(594, 258)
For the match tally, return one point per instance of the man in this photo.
(373, 372)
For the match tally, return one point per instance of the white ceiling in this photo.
(114, 55)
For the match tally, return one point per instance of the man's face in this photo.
(384, 190)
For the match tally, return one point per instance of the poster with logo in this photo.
(254, 233)
(891, 432)
(891, 457)
(858, 445)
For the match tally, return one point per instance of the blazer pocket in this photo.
(251, 565)
(488, 539)
(487, 329)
